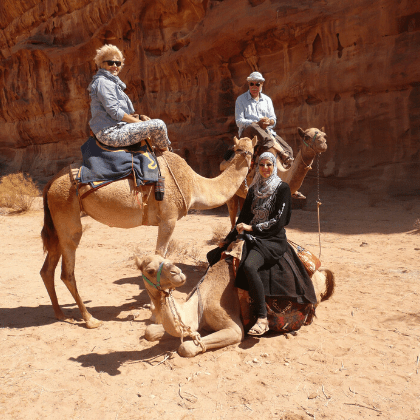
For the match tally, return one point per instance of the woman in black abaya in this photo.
(269, 266)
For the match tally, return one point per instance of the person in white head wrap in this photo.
(267, 258)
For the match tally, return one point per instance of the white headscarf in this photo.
(264, 187)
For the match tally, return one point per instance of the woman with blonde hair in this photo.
(114, 121)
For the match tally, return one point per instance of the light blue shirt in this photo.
(108, 103)
(248, 110)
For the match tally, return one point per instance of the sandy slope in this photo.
(358, 360)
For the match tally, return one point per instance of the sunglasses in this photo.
(111, 63)
(255, 84)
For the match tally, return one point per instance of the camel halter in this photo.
(313, 140)
(157, 285)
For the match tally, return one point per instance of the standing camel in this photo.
(313, 141)
(217, 301)
(120, 204)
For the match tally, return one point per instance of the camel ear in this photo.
(301, 132)
(139, 262)
(235, 141)
(254, 141)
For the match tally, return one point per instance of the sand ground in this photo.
(358, 360)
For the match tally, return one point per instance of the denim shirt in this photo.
(108, 103)
(248, 110)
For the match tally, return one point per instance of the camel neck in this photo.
(299, 169)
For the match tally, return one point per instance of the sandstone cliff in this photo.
(351, 67)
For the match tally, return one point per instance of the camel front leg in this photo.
(218, 339)
(154, 332)
(166, 228)
(232, 205)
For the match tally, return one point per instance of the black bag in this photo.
(160, 188)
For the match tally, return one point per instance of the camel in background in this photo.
(312, 142)
(217, 302)
(121, 204)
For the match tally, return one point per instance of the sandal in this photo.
(259, 328)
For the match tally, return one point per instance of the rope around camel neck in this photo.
(185, 330)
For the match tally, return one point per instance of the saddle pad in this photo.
(283, 316)
(102, 164)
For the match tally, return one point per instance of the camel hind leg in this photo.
(69, 246)
(47, 274)
(61, 235)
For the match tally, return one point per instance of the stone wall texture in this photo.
(352, 67)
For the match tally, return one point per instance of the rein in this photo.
(318, 201)
(318, 204)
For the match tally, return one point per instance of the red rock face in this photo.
(351, 67)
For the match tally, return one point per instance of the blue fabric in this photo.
(108, 102)
(104, 164)
(248, 110)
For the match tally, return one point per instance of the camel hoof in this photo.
(154, 332)
(189, 349)
(93, 323)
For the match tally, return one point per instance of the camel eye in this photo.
(150, 271)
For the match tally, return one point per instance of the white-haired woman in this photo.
(114, 121)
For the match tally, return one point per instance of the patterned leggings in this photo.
(253, 262)
(128, 134)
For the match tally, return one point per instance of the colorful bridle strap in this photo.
(157, 285)
(313, 140)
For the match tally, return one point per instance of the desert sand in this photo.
(358, 360)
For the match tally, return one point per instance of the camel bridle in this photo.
(245, 153)
(311, 146)
(157, 286)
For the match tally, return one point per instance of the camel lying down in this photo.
(214, 307)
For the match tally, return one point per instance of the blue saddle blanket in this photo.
(102, 164)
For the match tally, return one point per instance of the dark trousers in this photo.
(253, 262)
(265, 139)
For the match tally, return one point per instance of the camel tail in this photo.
(48, 232)
(329, 284)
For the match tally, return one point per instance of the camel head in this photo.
(160, 273)
(245, 146)
(314, 139)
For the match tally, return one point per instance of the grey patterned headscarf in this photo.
(264, 187)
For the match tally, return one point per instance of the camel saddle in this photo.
(283, 315)
(103, 164)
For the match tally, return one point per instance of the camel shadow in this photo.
(110, 363)
(28, 316)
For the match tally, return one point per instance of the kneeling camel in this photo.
(215, 307)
